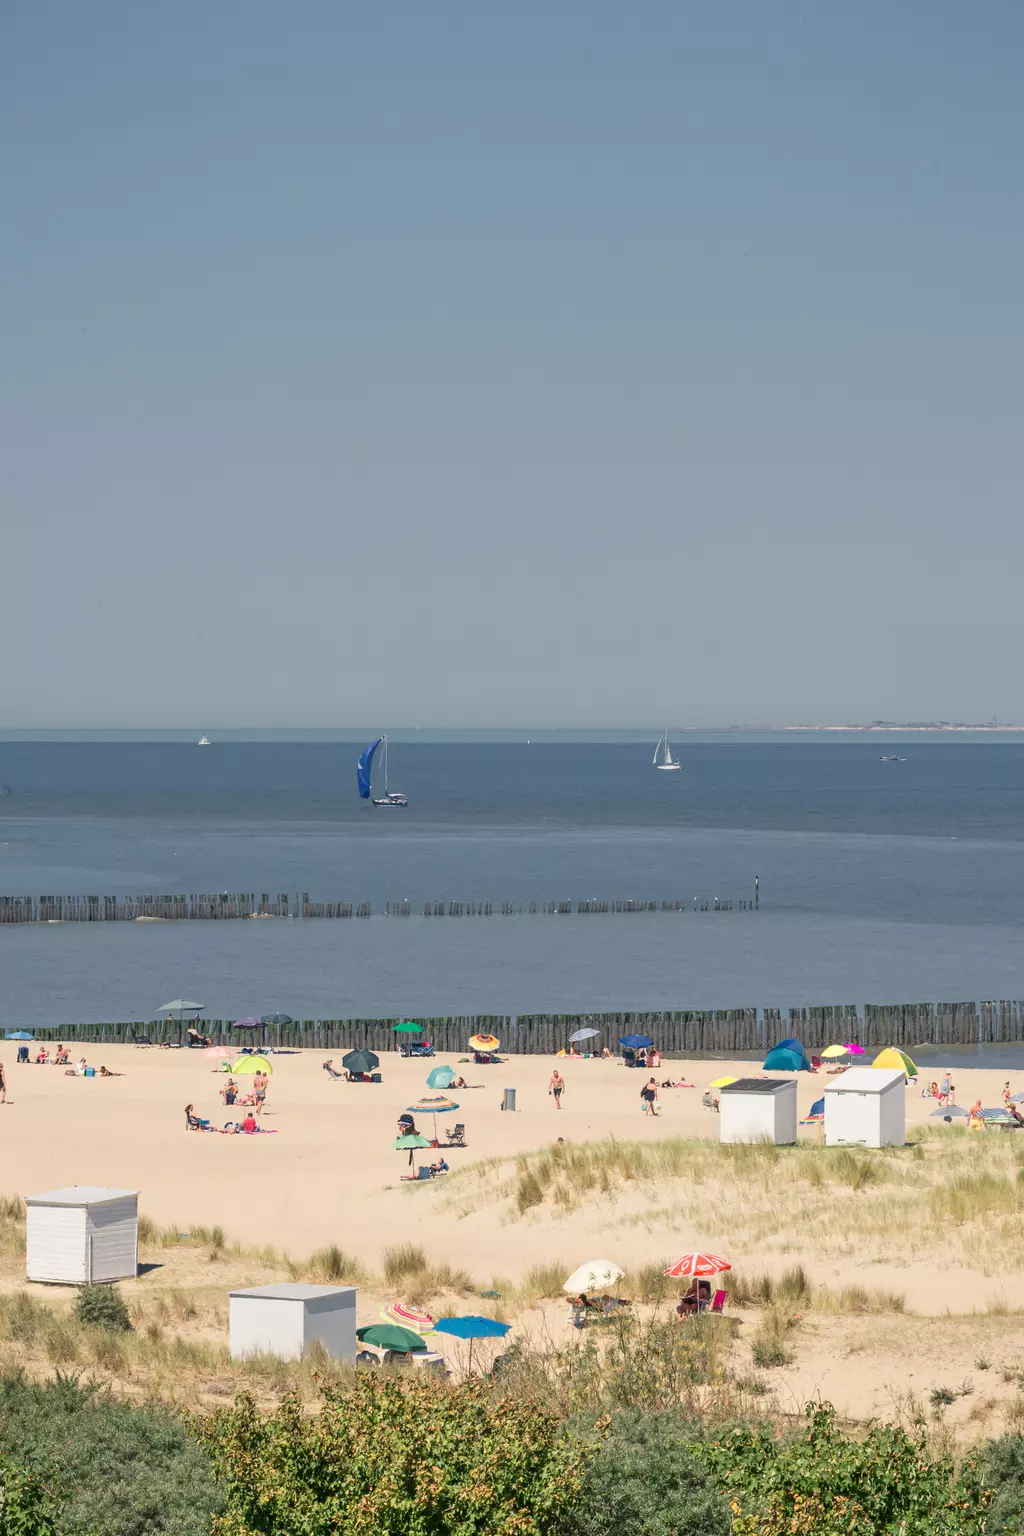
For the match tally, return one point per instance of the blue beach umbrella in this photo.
(636, 1042)
(20, 1034)
(441, 1077)
(471, 1328)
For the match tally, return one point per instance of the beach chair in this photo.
(456, 1136)
(331, 1072)
(718, 1302)
(137, 1039)
(708, 1101)
(815, 1063)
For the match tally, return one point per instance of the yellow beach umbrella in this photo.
(834, 1051)
(252, 1065)
(723, 1082)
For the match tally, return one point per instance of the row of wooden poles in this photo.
(113, 909)
(681, 1033)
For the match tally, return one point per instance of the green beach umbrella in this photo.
(410, 1142)
(389, 1336)
(407, 1028)
(441, 1077)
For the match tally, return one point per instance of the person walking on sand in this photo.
(1006, 1093)
(3, 1084)
(557, 1087)
(259, 1088)
(944, 1089)
(649, 1095)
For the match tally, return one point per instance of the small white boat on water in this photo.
(668, 763)
(363, 769)
(204, 741)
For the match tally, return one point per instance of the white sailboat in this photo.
(204, 741)
(668, 763)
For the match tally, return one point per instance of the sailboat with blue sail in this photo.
(363, 771)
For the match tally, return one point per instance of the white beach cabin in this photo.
(284, 1320)
(82, 1235)
(757, 1109)
(866, 1107)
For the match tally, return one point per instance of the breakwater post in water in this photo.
(696, 1033)
(225, 906)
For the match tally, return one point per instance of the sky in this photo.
(553, 363)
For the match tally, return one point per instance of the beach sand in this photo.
(330, 1175)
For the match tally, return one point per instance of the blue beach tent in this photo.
(783, 1059)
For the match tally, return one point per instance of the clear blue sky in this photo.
(541, 363)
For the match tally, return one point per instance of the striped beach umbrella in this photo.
(697, 1266)
(407, 1317)
(438, 1105)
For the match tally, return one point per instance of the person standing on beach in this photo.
(557, 1087)
(649, 1094)
(944, 1089)
(3, 1084)
(259, 1088)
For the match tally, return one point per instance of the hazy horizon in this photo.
(576, 365)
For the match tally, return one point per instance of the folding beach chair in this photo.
(718, 1302)
(456, 1136)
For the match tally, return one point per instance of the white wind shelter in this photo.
(758, 1109)
(284, 1320)
(82, 1235)
(866, 1107)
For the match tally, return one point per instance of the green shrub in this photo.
(646, 1481)
(822, 1483)
(26, 1507)
(122, 1470)
(102, 1306)
(1004, 1470)
(768, 1351)
(393, 1456)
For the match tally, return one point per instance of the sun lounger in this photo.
(456, 1136)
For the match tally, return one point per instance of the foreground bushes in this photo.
(823, 1483)
(401, 1455)
(115, 1469)
(396, 1457)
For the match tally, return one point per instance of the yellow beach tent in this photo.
(891, 1057)
(252, 1065)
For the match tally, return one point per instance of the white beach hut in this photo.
(758, 1109)
(866, 1107)
(284, 1320)
(82, 1235)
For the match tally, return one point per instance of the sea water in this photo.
(879, 882)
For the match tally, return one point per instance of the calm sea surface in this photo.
(879, 881)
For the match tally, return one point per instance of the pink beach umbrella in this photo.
(854, 1049)
(218, 1052)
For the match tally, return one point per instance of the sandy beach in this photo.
(329, 1173)
(929, 1232)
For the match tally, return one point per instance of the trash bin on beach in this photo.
(508, 1098)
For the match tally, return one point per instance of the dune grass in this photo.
(832, 1201)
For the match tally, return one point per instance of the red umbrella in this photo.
(697, 1265)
